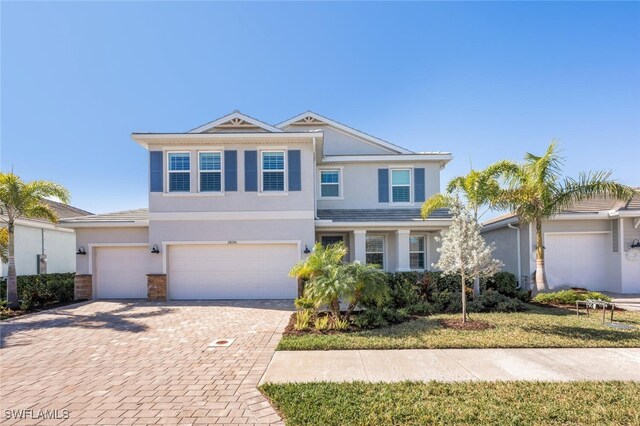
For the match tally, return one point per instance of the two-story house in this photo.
(235, 203)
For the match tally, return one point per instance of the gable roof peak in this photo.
(236, 119)
(313, 118)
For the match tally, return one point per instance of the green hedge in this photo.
(40, 290)
(569, 297)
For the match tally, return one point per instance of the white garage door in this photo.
(238, 271)
(121, 272)
(578, 260)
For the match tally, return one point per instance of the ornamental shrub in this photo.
(43, 289)
(569, 297)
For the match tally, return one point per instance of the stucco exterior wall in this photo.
(505, 240)
(58, 245)
(360, 184)
(629, 270)
(86, 236)
(239, 200)
(229, 230)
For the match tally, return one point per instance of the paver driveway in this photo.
(141, 363)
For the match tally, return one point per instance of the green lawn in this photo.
(469, 403)
(539, 327)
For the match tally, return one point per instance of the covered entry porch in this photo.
(404, 244)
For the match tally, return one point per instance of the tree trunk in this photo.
(335, 308)
(476, 287)
(12, 279)
(541, 279)
(464, 299)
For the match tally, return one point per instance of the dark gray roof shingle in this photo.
(378, 215)
(65, 210)
(122, 216)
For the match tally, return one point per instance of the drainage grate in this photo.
(221, 343)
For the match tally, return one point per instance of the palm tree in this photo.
(369, 286)
(19, 199)
(535, 191)
(478, 188)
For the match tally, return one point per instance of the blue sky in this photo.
(485, 81)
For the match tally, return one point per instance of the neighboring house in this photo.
(235, 203)
(45, 247)
(587, 246)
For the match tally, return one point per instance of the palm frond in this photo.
(40, 211)
(435, 202)
(588, 186)
(47, 189)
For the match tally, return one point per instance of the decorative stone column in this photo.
(402, 250)
(360, 245)
(82, 287)
(157, 287)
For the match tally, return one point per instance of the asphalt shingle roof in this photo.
(378, 215)
(121, 216)
(65, 210)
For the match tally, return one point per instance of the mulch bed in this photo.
(10, 313)
(457, 324)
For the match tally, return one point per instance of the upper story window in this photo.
(272, 171)
(416, 252)
(400, 185)
(330, 183)
(374, 247)
(210, 170)
(179, 168)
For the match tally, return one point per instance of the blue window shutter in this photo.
(155, 171)
(251, 171)
(383, 185)
(295, 182)
(231, 170)
(418, 186)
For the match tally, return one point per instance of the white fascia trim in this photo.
(243, 215)
(231, 116)
(165, 244)
(344, 128)
(386, 158)
(37, 224)
(146, 139)
(114, 224)
(626, 213)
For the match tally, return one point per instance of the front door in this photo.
(331, 239)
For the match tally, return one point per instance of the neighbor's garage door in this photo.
(237, 271)
(121, 272)
(578, 260)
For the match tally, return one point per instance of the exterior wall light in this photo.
(155, 249)
(81, 251)
(306, 249)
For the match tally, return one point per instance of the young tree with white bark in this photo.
(463, 251)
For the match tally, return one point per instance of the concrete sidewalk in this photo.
(450, 365)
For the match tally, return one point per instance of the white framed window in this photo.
(400, 185)
(417, 252)
(374, 248)
(273, 171)
(330, 183)
(179, 171)
(210, 171)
